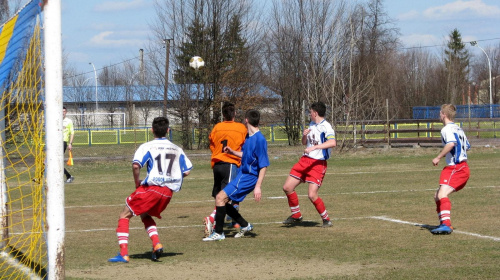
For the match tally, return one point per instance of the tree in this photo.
(217, 31)
(456, 58)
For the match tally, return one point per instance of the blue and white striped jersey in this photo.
(165, 161)
(452, 133)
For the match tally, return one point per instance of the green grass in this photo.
(374, 196)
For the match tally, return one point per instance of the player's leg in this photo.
(220, 205)
(452, 179)
(152, 230)
(293, 200)
(318, 204)
(219, 171)
(233, 171)
(122, 232)
(443, 208)
(69, 178)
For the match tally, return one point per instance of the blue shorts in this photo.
(240, 186)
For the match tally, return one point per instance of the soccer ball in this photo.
(196, 62)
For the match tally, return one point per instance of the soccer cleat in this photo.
(291, 220)
(244, 230)
(119, 258)
(442, 229)
(70, 179)
(327, 223)
(157, 251)
(209, 226)
(215, 237)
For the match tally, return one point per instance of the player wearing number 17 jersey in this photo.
(166, 165)
(456, 173)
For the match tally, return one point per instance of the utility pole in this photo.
(167, 58)
(141, 67)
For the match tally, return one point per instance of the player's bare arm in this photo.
(228, 150)
(136, 170)
(185, 174)
(304, 136)
(257, 192)
(326, 145)
(446, 149)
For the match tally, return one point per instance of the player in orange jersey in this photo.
(227, 133)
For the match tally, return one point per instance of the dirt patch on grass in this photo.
(263, 269)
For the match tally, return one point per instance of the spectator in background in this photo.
(68, 134)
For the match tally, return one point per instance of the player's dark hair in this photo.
(320, 108)
(160, 127)
(228, 111)
(253, 117)
(64, 108)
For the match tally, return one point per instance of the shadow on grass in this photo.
(147, 255)
(249, 234)
(303, 224)
(427, 227)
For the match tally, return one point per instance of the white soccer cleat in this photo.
(215, 237)
(244, 230)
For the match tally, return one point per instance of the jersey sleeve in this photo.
(261, 152)
(329, 132)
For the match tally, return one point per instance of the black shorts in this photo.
(223, 174)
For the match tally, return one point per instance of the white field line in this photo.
(280, 197)
(197, 226)
(383, 218)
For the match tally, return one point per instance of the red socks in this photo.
(122, 233)
(293, 202)
(150, 226)
(320, 207)
(444, 211)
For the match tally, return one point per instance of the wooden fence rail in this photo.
(412, 132)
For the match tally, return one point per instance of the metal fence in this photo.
(395, 131)
(463, 111)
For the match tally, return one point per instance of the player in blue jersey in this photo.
(254, 163)
(319, 139)
(166, 165)
(456, 173)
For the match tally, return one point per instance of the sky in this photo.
(107, 32)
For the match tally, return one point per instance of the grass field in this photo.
(378, 200)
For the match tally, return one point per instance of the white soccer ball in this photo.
(196, 62)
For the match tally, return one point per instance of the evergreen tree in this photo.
(224, 51)
(456, 62)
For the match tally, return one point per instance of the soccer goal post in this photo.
(23, 245)
(54, 139)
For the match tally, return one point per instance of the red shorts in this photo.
(151, 200)
(309, 170)
(455, 176)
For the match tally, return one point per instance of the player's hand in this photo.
(306, 131)
(257, 193)
(228, 150)
(309, 149)
(435, 161)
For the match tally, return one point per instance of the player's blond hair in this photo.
(449, 110)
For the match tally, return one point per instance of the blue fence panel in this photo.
(476, 111)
